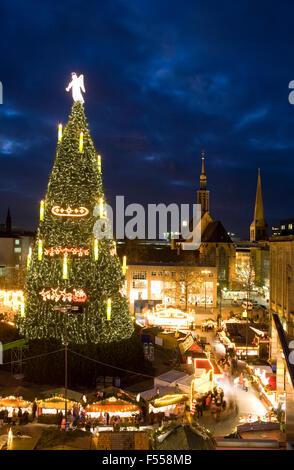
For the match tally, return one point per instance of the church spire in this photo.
(203, 179)
(8, 225)
(258, 228)
(203, 193)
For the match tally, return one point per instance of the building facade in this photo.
(282, 280)
(14, 248)
(183, 286)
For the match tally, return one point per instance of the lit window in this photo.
(290, 226)
(283, 227)
(17, 242)
(17, 249)
(139, 275)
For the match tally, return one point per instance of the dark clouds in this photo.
(164, 79)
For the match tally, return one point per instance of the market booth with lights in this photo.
(54, 403)
(12, 404)
(113, 403)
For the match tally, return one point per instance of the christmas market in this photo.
(146, 231)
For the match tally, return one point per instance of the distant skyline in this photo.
(163, 80)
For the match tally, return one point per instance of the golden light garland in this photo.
(69, 212)
(78, 295)
(73, 251)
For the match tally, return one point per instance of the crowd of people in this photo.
(212, 402)
(14, 417)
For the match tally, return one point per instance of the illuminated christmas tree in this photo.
(69, 265)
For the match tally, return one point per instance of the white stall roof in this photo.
(171, 376)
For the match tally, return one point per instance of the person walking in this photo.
(208, 401)
(213, 409)
(34, 409)
(245, 384)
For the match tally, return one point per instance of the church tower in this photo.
(203, 193)
(258, 228)
(8, 224)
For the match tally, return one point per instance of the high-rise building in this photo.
(258, 227)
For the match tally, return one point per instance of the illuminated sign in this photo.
(69, 212)
(78, 295)
(73, 251)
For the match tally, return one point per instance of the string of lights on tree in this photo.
(68, 264)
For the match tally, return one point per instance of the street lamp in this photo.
(66, 309)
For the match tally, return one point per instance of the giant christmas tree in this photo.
(68, 265)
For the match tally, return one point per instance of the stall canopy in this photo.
(55, 403)
(112, 405)
(60, 392)
(113, 400)
(14, 402)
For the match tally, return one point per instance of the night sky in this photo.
(164, 79)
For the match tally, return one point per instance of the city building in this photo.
(14, 248)
(286, 227)
(181, 285)
(282, 280)
(282, 358)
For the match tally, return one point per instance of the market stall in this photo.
(169, 318)
(105, 410)
(49, 408)
(114, 405)
(11, 406)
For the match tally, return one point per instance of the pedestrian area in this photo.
(247, 403)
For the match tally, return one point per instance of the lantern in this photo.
(101, 206)
(124, 266)
(96, 249)
(40, 250)
(42, 208)
(59, 132)
(65, 270)
(108, 309)
(99, 163)
(29, 257)
(81, 146)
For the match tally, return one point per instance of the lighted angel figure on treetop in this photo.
(77, 84)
